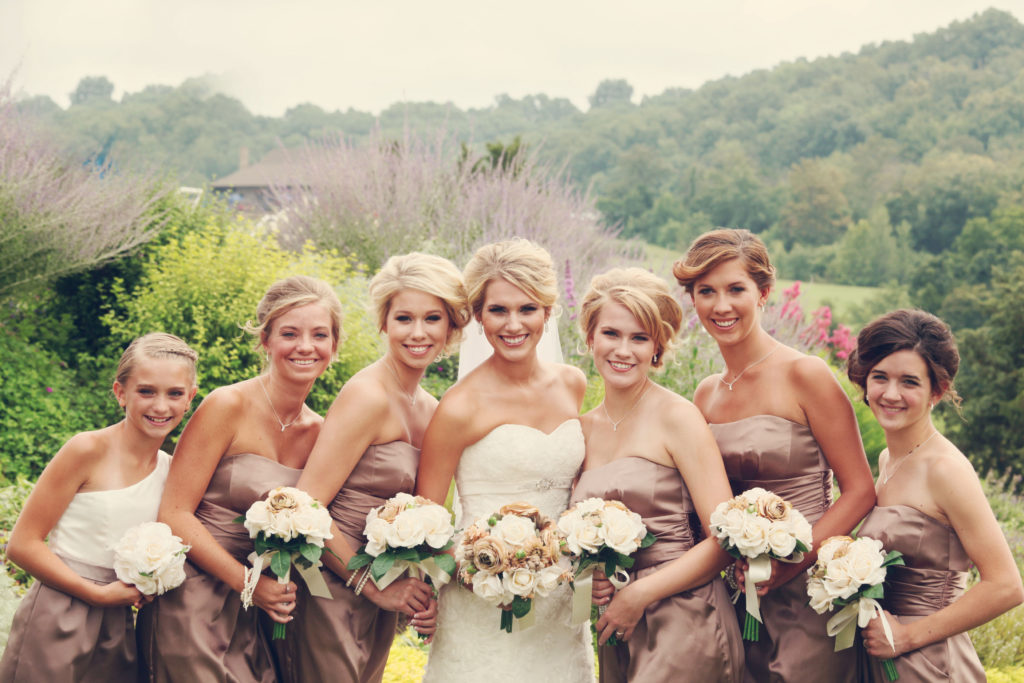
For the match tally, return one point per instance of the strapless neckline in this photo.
(530, 428)
(761, 416)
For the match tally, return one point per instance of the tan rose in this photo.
(390, 511)
(282, 499)
(552, 542)
(618, 504)
(773, 507)
(523, 510)
(490, 556)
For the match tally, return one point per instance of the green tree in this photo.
(817, 212)
(92, 90)
(611, 92)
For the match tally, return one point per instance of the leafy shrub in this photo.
(204, 285)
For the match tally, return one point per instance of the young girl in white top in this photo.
(75, 623)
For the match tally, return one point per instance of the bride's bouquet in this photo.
(408, 534)
(759, 525)
(289, 527)
(151, 558)
(600, 532)
(850, 574)
(509, 557)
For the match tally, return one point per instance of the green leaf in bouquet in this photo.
(877, 592)
(359, 560)
(446, 562)
(609, 567)
(624, 561)
(280, 563)
(648, 541)
(800, 547)
(262, 544)
(446, 546)
(240, 519)
(407, 554)
(310, 552)
(894, 558)
(584, 563)
(381, 564)
(521, 606)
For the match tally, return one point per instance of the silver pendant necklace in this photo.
(412, 396)
(737, 377)
(279, 420)
(616, 423)
(894, 470)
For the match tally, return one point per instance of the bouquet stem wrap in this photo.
(583, 592)
(860, 613)
(758, 569)
(311, 575)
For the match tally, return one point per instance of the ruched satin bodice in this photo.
(936, 563)
(701, 618)
(655, 492)
(238, 482)
(383, 470)
(778, 455)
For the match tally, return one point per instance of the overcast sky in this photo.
(274, 54)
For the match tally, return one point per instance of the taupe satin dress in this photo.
(782, 456)
(934, 576)
(690, 636)
(348, 638)
(56, 637)
(200, 633)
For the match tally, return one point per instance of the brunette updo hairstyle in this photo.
(714, 248)
(643, 294)
(158, 345)
(908, 329)
(289, 293)
(526, 265)
(425, 273)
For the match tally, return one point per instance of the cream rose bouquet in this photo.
(600, 532)
(510, 557)
(151, 558)
(760, 526)
(289, 528)
(850, 574)
(408, 534)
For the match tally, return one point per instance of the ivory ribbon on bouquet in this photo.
(311, 575)
(428, 566)
(843, 625)
(760, 569)
(583, 592)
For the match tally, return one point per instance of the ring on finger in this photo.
(619, 634)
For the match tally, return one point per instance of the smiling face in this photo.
(726, 300)
(300, 342)
(622, 348)
(156, 395)
(513, 322)
(417, 327)
(899, 391)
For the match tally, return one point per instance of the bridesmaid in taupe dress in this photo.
(367, 452)
(786, 427)
(244, 439)
(674, 617)
(931, 507)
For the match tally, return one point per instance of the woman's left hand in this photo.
(621, 617)
(425, 622)
(876, 643)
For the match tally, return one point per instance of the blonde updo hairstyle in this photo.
(293, 292)
(425, 273)
(714, 248)
(521, 262)
(155, 345)
(643, 294)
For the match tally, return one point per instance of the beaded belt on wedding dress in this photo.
(506, 488)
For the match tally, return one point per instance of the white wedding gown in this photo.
(512, 463)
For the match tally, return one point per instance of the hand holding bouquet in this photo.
(408, 534)
(509, 557)
(760, 526)
(151, 558)
(289, 527)
(600, 532)
(851, 574)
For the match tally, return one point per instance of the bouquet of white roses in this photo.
(289, 527)
(600, 532)
(408, 534)
(151, 558)
(509, 557)
(850, 574)
(759, 525)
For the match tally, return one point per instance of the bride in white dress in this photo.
(509, 431)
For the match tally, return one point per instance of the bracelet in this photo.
(730, 577)
(362, 581)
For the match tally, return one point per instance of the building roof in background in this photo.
(276, 168)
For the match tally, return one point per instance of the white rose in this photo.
(781, 540)
(376, 533)
(832, 546)
(150, 557)
(489, 587)
(520, 582)
(257, 518)
(623, 530)
(437, 524)
(801, 528)
(821, 601)
(727, 523)
(407, 530)
(838, 581)
(751, 496)
(313, 523)
(549, 578)
(402, 499)
(281, 524)
(589, 506)
(752, 540)
(514, 531)
(864, 560)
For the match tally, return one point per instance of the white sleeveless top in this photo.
(95, 521)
